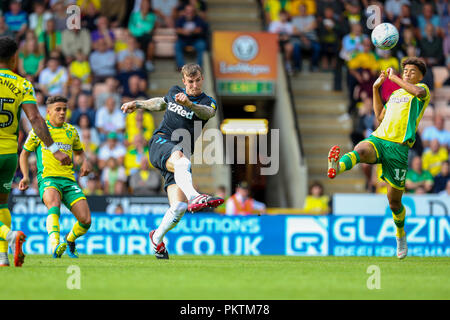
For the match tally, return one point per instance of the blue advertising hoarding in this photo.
(213, 234)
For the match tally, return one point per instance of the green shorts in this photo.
(394, 161)
(8, 166)
(69, 190)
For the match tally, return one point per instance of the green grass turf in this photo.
(227, 277)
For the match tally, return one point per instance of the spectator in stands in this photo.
(433, 157)
(31, 58)
(221, 192)
(16, 19)
(291, 46)
(133, 52)
(37, 20)
(89, 18)
(50, 39)
(240, 203)
(353, 14)
(134, 90)
(167, 10)
(293, 7)
(112, 148)
(352, 42)
(329, 35)
(89, 146)
(139, 122)
(102, 61)
(393, 8)
(4, 30)
(115, 11)
(141, 25)
(431, 48)
(446, 191)
(305, 28)
(191, 31)
(113, 177)
(103, 32)
(127, 72)
(53, 79)
(84, 106)
(436, 131)
(316, 202)
(111, 90)
(93, 185)
(417, 178)
(145, 181)
(110, 119)
(441, 180)
(405, 20)
(81, 69)
(199, 5)
(58, 9)
(135, 153)
(74, 41)
(408, 45)
(429, 17)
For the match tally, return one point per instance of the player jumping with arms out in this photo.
(16, 93)
(57, 183)
(184, 107)
(390, 142)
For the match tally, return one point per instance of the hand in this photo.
(390, 73)
(182, 99)
(380, 80)
(62, 157)
(128, 107)
(86, 168)
(24, 183)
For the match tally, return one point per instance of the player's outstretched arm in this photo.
(86, 166)
(24, 168)
(417, 91)
(377, 103)
(204, 112)
(39, 126)
(153, 104)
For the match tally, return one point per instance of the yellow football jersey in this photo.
(67, 139)
(403, 114)
(14, 90)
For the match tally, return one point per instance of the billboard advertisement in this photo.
(245, 63)
(213, 234)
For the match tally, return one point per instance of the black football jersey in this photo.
(181, 117)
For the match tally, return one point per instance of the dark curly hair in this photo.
(418, 62)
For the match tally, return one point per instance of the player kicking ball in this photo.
(167, 152)
(57, 182)
(390, 142)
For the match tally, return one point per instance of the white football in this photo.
(385, 36)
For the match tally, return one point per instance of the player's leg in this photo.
(80, 210)
(14, 239)
(51, 197)
(364, 152)
(398, 213)
(181, 167)
(178, 206)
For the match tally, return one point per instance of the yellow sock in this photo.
(53, 226)
(77, 231)
(5, 226)
(399, 220)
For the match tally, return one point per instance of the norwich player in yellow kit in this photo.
(390, 142)
(57, 183)
(16, 93)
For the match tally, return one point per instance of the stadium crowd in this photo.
(105, 61)
(335, 33)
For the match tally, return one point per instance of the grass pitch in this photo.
(228, 278)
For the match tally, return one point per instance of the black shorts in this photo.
(160, 149)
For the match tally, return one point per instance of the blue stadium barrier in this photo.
(213, 234)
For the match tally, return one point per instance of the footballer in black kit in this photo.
(186, 112)
(177, 117)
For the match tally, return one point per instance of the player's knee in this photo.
(395, 205)
(85, 221)
(182, 164)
